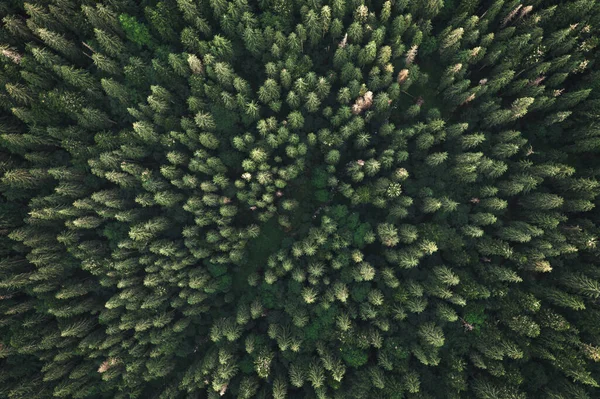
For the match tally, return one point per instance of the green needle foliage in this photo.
(338, 199)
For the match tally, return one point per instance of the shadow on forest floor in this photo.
(259, 250)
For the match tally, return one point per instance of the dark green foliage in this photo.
(474, 317)
(136, 32)
(299, 199)
(353, 356)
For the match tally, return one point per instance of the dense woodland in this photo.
(300, 199)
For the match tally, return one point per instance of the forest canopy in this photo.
(338, 199)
